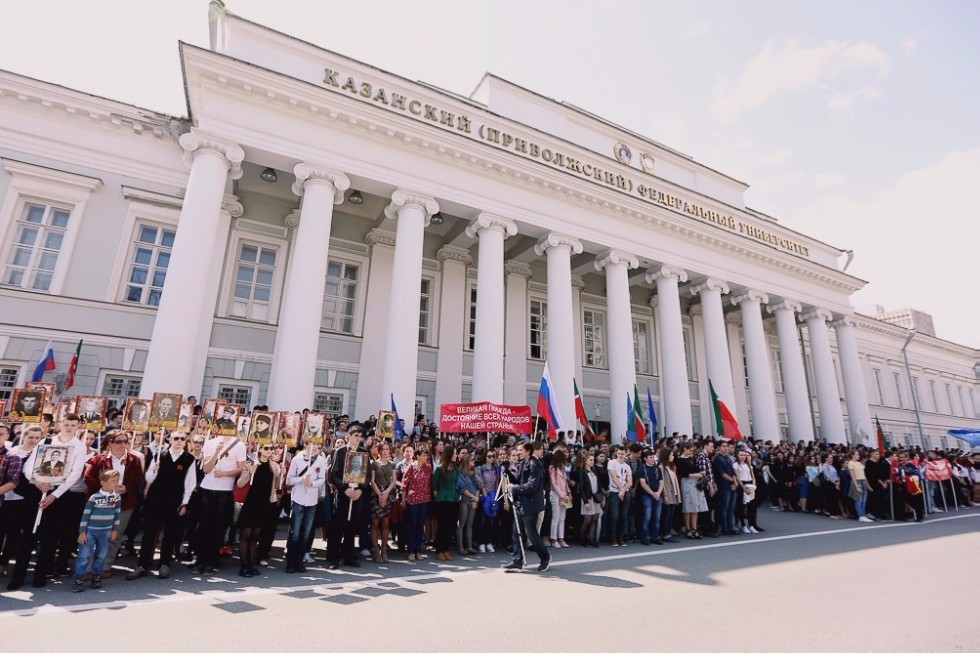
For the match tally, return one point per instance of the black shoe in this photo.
(78, 586)
(14, 585)
(96, 582)
(671, 539)
(39, 582)
(353, 562)
(545, 564)
(164, 571)
(645, 542)
(139, 572)
(713, 534)
(292, 570)
(512, 565)
(62, 572)
(301, 568)
(210, 571)
(254, 571)
(658, 541)
(243, 572)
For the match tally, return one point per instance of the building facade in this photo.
(319, 233)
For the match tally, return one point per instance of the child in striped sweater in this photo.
(99, 526)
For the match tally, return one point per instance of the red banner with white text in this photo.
(485, 416)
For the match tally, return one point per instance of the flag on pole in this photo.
(73, 366)
(880, 436)
(641, 430)
(653, 418)
(399, 431)
(547, 403)
(630, 419)
(725, 423)
(580, 409)
(46, 364)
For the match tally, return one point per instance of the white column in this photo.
(413, 211)
(561, 316)
(578, 287)
(619, 334)
(794, 374)
(375, 324)
(762, 397)
(515, 337)
(855, 390)
(453, 312)
(298, 337)
(183, 306)
(828, 395)
(733, 326)
(673, 377)
(717, 358)
(488, 348)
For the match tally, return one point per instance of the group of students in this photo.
(194, 497)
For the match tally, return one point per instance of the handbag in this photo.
(240, 493)
(567, 502)
(490, 506)
(701, 485)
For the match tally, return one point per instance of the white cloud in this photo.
(910, 44)
(777, 157)
(915, 242)
(784, 66)
(838, 100)
(829, 179)
(697, 29)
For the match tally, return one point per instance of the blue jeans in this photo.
(725, 511)
(300, 527)
(529, 525)
(618, 510)
(861, 502)
(416, 524)
(92, 552)
(650, 523)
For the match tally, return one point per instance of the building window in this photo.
(594, 333)
(916, 395)
(538, 329)
(235, 394)
(148, 264)
(935, 398)
(968, 409)
(778, 371)
(8, 381)
(425, 311)
(254, 271)
(943, 442)
(898, 389)
(329, 402)
(340, 297)
(927, 442)
(641, 347)
(471, 324)
(120, 388)
(745, 362)
(689, 354)
(949, 398)
(33, 256)
(879, 391)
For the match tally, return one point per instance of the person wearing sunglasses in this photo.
(170, 481)
(261, 474)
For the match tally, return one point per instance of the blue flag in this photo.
(399, 431)
(653, 417)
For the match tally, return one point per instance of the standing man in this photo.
(877, 470)
(724, 472)
(224, 459)
(170, 481)
(306, 477)
(703, 460)
(351, 511)
(528, 495)
(130, 469)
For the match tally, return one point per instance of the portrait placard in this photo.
(386, 424)
(27, 405)
(51, 464)
(137, 414)
(91, 411)
(49, 392)
(244, 428)
(355, 468)
(290, 426)
(206, 418)
(314, 427)
(185, 418)
(226, 418)
(64, 407)
(263, 427)
(165, 410)
(3, 409)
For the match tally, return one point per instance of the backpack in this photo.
(490, 505)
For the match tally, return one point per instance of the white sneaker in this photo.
(483, 548)
(308, 558)
(753, 531)
(865, 520)
(490, 549)
(365, 553)
(745, 530)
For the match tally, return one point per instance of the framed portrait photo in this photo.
(356, 467)
(51, 464)
(290, 427)
(49, 391)
(91, 411)
(314, 427)
(185, 417)
(204, 421)
(243, 428)
(263, 427)
(386, 424)
(65, 406)
(136, 415)
(3, 409)
(27, 405)
(164, 410)
(226, 418)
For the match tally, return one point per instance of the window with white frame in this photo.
(425, 310)
(594, 338)
(898, 389)
(235, 394)
(879, 390)
(538, 329)
(340, 296)
(148, 264)
(778, 369)
(8, 380)
(471, 322)
(949, 398)
(745, 362)
(329, 402)
(689, 354)
(968, 409)
(641, 347)
(38, 238)
(943, 442)
(118, 388)
(916, 395)
(926, 441)
(255, 269)
(935, 398)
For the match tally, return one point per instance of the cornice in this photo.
(380, 237)
(450, 253)
(516, 267)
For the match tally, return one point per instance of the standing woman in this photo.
(486, 513)
(672, 494)
(446, 498)
(417, 495)
(469, 486)
(802, 482)
(692, 498)
(262, 473)
(602, 475)
(830, 485)
(382, 489)
(591, 496)
(745, 500)
(561, 498)
(859, 486)
(812, 470)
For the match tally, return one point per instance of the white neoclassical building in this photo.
(321, 233)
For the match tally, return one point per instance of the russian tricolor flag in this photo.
(46, 364)
(547, 403)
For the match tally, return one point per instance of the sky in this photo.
(855, 123)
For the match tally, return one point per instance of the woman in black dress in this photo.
(262, 474)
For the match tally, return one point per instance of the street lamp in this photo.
(908, 373)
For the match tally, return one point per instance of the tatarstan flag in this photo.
(880, 436)
(73, 366)
(580, 409)
(725, 423)
(641, 430)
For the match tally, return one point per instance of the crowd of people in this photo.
(187, 498)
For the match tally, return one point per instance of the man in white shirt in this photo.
(306, 476)
(224, 459)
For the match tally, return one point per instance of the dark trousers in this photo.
(528, 523)
(29, 539)
(447, 512)
(416, 514)
(157, 517)
(214, 515)
(344, 530)
(11, 527)
(485, 527)
(831, 498)
(618, 511)
(667, 519)
(68, 532)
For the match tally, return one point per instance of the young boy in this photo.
(99, 526)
